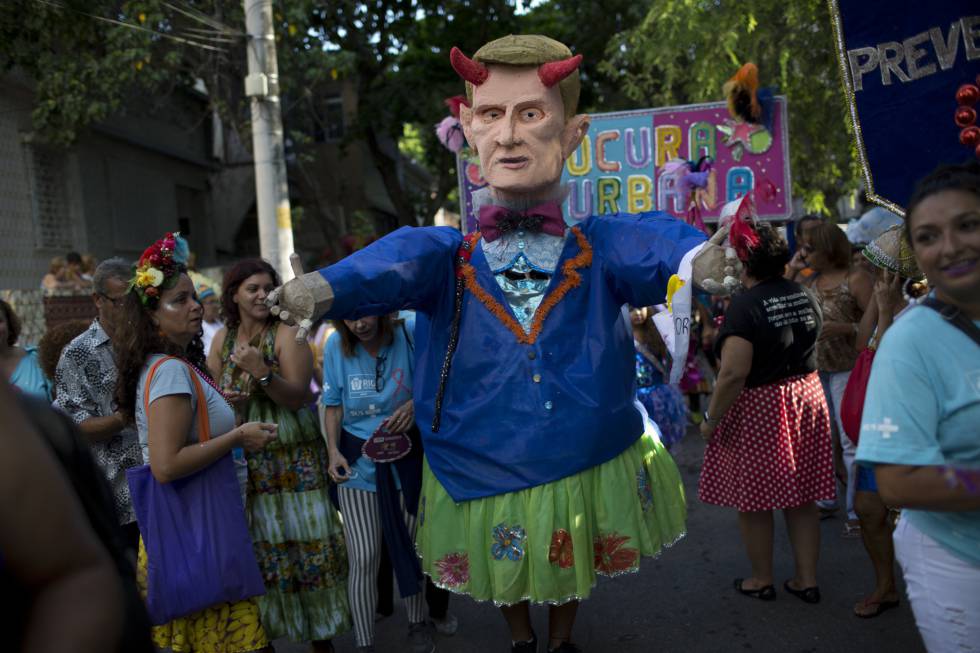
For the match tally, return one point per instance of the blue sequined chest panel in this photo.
(524, 295)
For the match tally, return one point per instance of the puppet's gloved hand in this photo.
(715, 268)
(301, 300)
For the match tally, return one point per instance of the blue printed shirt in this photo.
(349, 381)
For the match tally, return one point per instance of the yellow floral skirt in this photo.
(223, 628)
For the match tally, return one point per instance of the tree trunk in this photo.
(388, 168)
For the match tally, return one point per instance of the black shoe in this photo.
(525, 647)
(807, 594)
(767, 593)
(566, 647)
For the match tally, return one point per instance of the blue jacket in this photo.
(519, 410)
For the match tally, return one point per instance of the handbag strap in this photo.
(954, 316)
(203, 420)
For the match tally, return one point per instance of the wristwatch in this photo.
(707, 418)
(265, 380)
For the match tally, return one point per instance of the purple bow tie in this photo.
(495, 221)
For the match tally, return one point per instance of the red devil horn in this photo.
(554, 71)
(473, 72)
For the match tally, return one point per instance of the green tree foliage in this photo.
(400, 61)
(587, 27)
(91, 59)
(683, 51)
(84, 68)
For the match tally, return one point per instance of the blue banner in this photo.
(902, 62)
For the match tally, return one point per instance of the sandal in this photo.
(807, 594)
(767, 593)
(827, 513)
(851, 530)
(879, 607)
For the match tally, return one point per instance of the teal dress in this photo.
(296, 531)
(29, 377)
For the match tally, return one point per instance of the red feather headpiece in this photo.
(741, 233)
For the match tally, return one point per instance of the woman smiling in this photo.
(919, 426)
(296, 532)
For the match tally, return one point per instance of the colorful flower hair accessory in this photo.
(159, 267)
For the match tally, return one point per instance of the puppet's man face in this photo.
(517, 126)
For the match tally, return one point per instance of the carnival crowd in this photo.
(780, 426)
(213, 477)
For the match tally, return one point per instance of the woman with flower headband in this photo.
(161, 318)
(295, 530)
(767, 427)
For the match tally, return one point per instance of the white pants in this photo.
(362, 530)
(834, 384)
(944, 591)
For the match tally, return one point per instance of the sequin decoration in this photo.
(612, 556)
(453, 569)
(643, 490)
(848, 84)
(570, 279)
(523, 294)
(561, 552)
(462, 260)
(742, 137)
(508, 543)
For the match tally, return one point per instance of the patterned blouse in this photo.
(837, 353)
(86, 382)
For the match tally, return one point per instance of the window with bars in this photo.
(49, 197)
(329, 120)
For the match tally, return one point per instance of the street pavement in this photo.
(684, 602)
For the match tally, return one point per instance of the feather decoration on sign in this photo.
(741, 91)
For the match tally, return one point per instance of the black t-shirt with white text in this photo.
(782, 320)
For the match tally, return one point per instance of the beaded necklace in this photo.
(207, 378)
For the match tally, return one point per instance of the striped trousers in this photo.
(362, 530)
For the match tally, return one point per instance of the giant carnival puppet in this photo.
(538, 472)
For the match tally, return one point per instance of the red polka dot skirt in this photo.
(772, 449)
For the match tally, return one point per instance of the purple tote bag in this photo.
(198, 548)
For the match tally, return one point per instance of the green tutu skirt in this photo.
(547, 543)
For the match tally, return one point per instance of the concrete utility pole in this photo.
(271, 185)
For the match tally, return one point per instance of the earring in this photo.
(906, 292)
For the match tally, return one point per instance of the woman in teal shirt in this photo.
(367, 383)
(20, 365)
(921, 415)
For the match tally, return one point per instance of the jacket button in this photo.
(548, 405)
(532, 354)
(537, 378)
